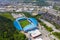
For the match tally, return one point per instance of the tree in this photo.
(8, 31)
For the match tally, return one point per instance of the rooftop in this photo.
(34, 33)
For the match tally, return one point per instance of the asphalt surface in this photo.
(52, 37)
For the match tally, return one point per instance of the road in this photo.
(44, 32)
(50, 25)
(53, 27)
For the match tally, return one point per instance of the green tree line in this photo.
(8, 31)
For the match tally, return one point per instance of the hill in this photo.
(8, 32)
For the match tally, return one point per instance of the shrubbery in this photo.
(45, 26)
(57, 34)
(7, 30)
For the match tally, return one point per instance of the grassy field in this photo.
(24, 23)
(7, 15)
(57, 34)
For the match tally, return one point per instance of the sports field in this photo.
(24, 23)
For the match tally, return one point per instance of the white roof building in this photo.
(19, 10)
(17, 15)
(35, 33)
